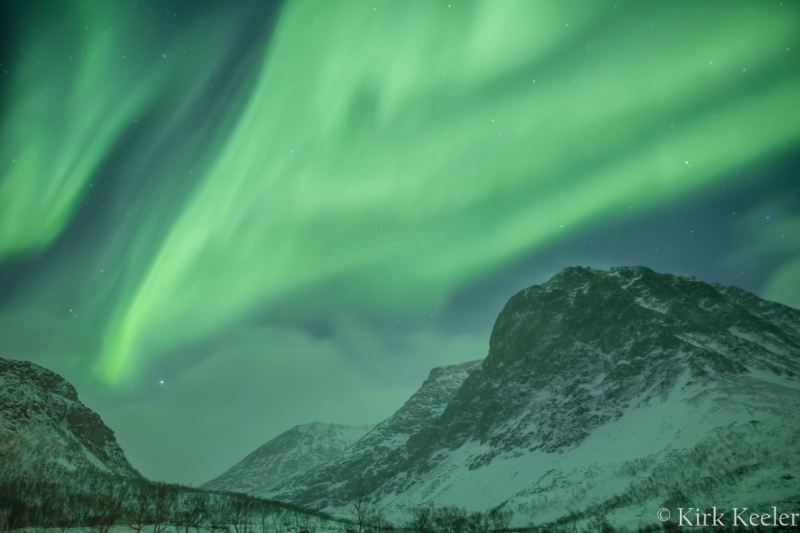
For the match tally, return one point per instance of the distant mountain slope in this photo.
(381, 452)
(46, 431)
(606, 393)
(290, 452)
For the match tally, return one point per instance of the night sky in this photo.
(222, 219)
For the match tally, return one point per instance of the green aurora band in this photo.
(57, 131)
(397, 150)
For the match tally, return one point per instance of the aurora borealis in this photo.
(290, 212)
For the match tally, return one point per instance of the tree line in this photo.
(97, 503)
(368, 518)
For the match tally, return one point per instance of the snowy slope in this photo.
(604, 393)
(46, 432)
(731, 445)
(293, 451)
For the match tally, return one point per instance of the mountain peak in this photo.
(46, 429)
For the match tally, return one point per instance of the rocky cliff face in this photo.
(296, 450)
(46, 431)
(604, 392)
(572, 354)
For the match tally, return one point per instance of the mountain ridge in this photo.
(293, 451)
(573, 364)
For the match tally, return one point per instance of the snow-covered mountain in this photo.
(46, 432)
(604, 393)
(290, 452)
(380, 454)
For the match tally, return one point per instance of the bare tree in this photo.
(104, 512)
(220, 517)
(138, 514)
(192, 513)
(297, 520)
(180, 517)
(265, 510)
(308, 524)
(198, 512)
(450, 519)
(377, 520)
(241, 510)
(478, 522)
(500, 518)
(278, 520)
(163, 504)
(421, 520)
(361, 511)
